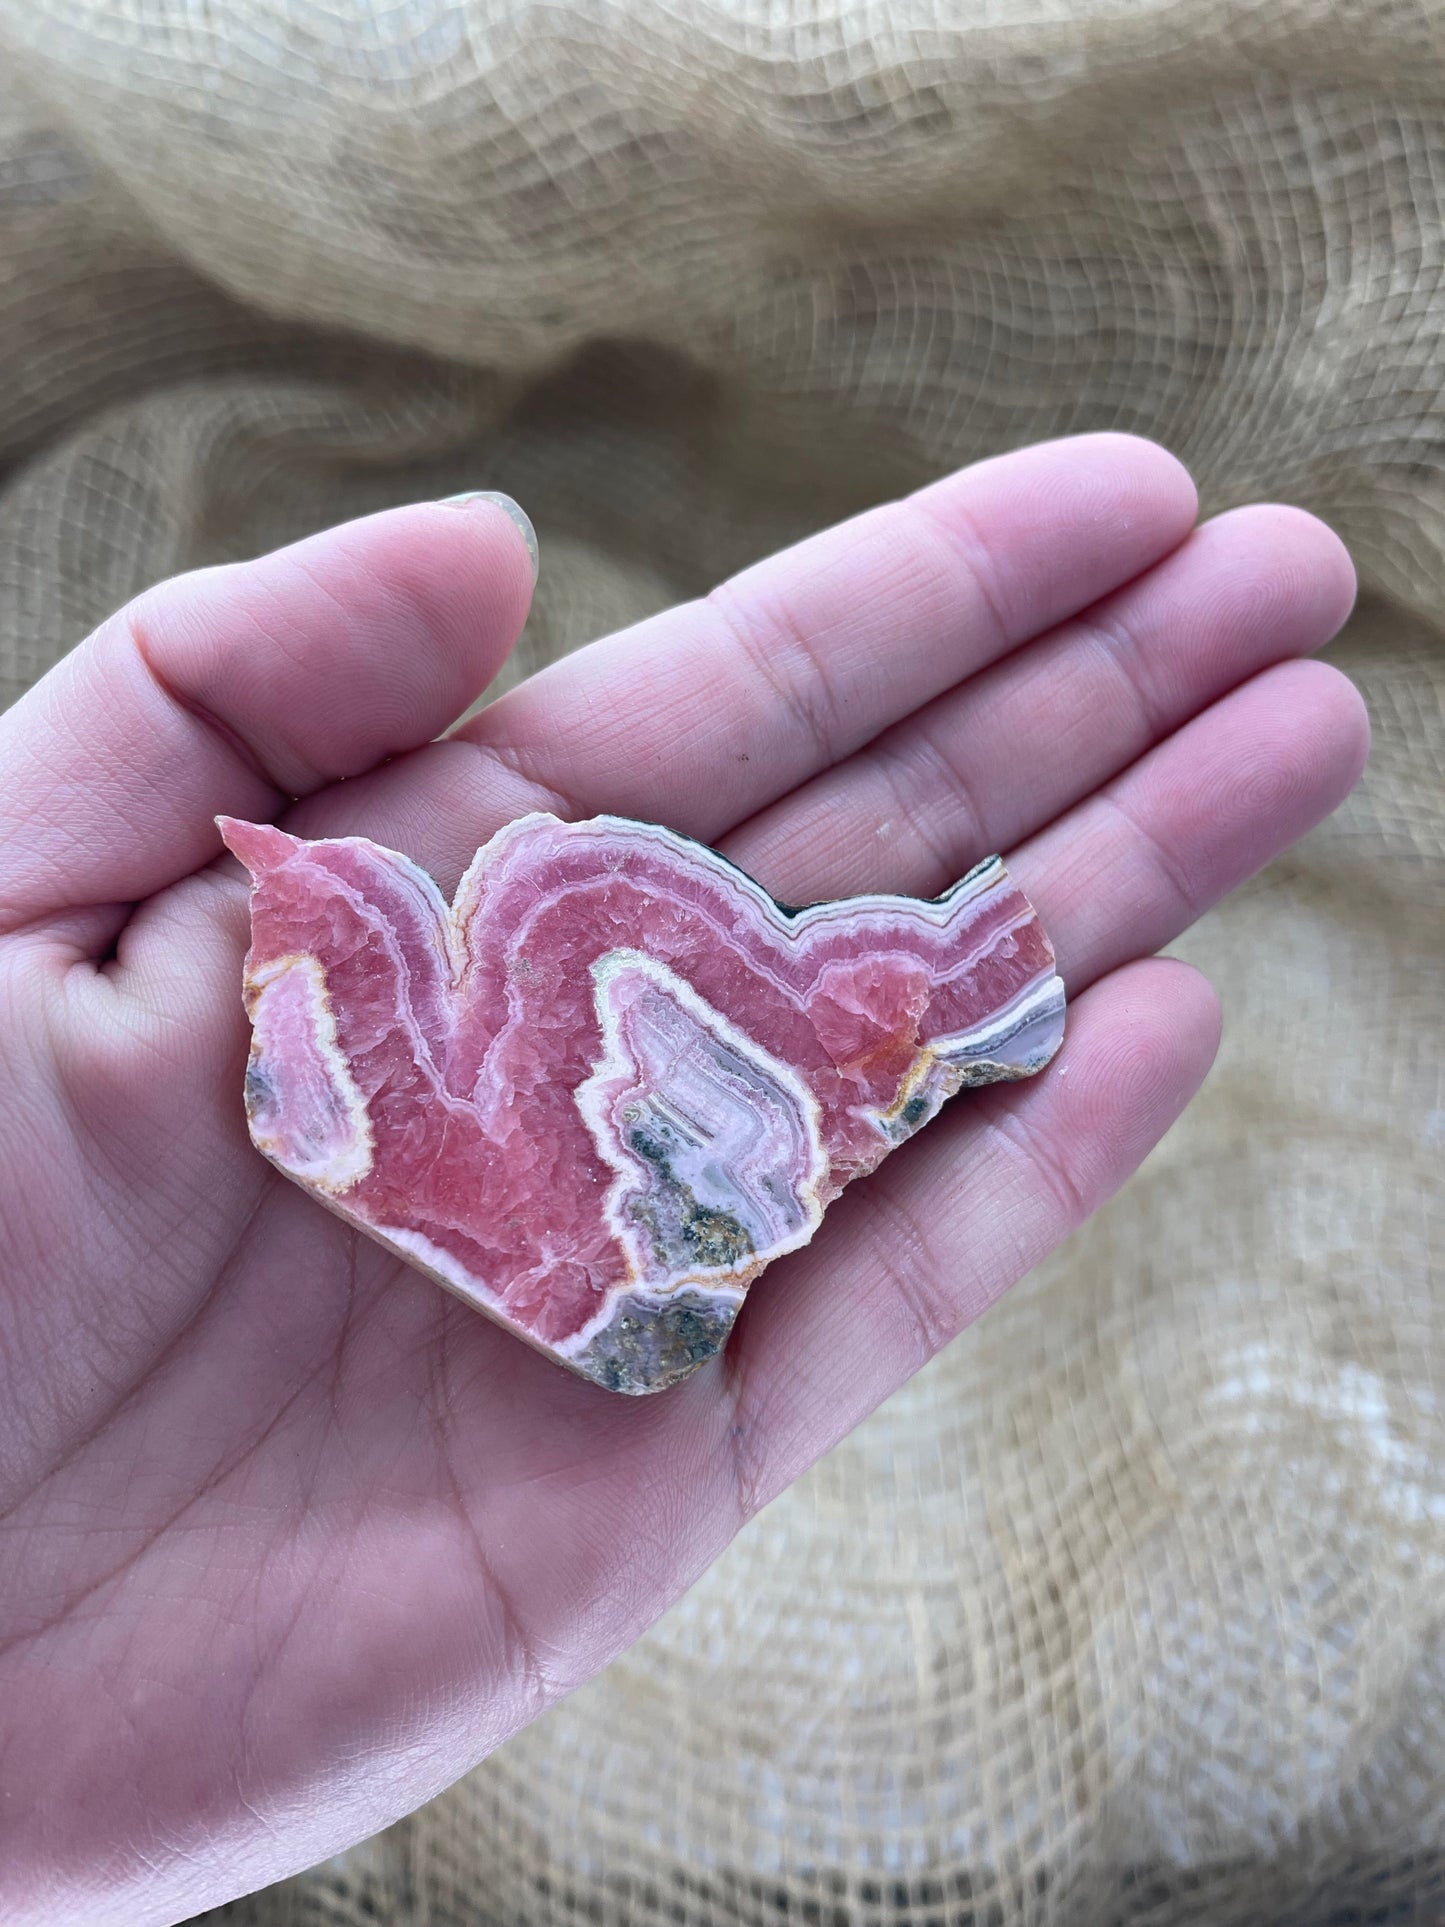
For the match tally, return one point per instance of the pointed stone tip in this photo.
(260, 846)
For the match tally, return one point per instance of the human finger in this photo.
(995, 759)
(236, 688)
(1134, 865)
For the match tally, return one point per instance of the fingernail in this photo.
(508, 507)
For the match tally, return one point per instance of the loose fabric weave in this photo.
(1129, 1609)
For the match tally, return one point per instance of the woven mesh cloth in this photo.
(1129, 1609)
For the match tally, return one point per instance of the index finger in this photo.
(703, 714)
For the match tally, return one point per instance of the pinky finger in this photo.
(947, 1225)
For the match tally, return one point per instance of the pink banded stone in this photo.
(614, 1080)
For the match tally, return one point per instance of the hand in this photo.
(291, 1538)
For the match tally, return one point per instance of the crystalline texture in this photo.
(612, 1081)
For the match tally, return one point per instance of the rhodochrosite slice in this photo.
(612, 1081)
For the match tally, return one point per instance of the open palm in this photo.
(288, 1537)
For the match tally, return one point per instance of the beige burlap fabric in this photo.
(1128, 1609)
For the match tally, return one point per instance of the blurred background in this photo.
(1129, 1609)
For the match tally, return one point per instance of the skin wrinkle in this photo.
(512, 760)
(223, 879)
(343, 1336)
(518, 1646)
(748, 1488)
(159, 1361)
(906, 1260)
(79, 1084)
(129, 626)
(916, 804)
(155, 1534)
(959, 531)
(771, 1441)
(277, 1642)
(147, 1250)
(1165, 861)
(64, 939)
(132, 625)
(391, 618)
(1019, 1142)
(808, 699)
(1132, 677)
